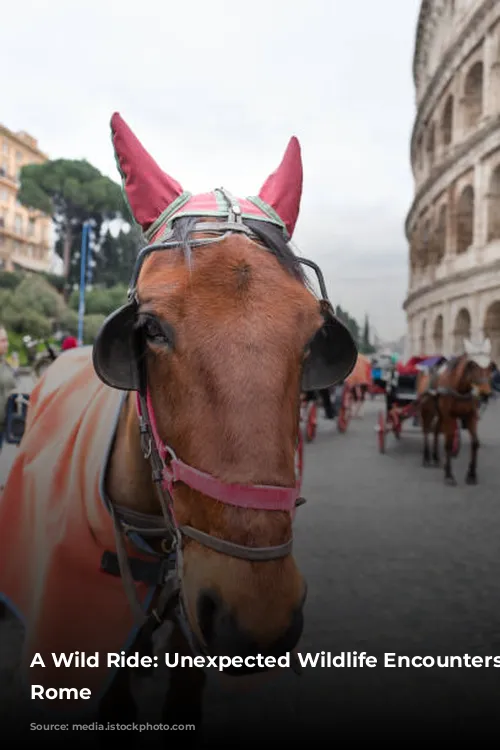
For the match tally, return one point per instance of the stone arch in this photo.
(441, 233)
(438, 335)
(431, 144)
(494, 206)
(491, 329)
(425, 234)
(422, 343)
(465, 219)
(462, 330)
(447, 122)
(473, 94)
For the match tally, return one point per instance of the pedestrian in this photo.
(7, 381)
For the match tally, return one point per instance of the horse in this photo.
(450, 393)
(155, 486)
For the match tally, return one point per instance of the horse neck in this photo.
(456, 376)
(128, 482)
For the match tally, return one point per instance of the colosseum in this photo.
(453, 225)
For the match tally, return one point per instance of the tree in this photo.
(365, 346)
(72, 192)
(116, 257)
(100, 301)
(349, 322)
(33, 307)
(91, 326)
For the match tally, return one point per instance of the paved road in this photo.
(395, 562)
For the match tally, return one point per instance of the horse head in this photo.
(476, 372)
(218, 338)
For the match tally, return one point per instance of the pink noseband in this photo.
(256, 496)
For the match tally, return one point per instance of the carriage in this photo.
(402, 400)
(357, 384)
(309, 412)
(341, 396)
(381, 368)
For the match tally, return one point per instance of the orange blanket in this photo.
(362, 373)
(55, 526)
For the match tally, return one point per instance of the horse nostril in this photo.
(207, 608)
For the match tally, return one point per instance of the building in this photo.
(25, 235)
(453, 225)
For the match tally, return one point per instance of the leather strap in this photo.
(255, 554)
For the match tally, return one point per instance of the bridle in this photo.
(470, 393)
(168, 470)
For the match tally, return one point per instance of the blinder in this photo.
(117, 348)
(332, 351)
(119, 345)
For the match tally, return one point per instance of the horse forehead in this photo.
(220, 275)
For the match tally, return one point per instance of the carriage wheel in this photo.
(455, 449)
(344, 416)
(397, 426)
(312, 422)
(381, 430)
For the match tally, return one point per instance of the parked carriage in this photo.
(382, 366)
(402, 400)
(353, 392)
(341, 396)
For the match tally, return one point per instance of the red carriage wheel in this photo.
(381, 430)
(455, 449)
(344, 416)
(396, 427)
(312, 421)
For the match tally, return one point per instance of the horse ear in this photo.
(149, 191)
(283, 189)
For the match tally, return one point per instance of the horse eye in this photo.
(154, 331)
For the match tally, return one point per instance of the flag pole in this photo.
(83, 274)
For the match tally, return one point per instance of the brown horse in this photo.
(219, 336)
(450, 393)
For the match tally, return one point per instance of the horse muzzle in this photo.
(224, 636)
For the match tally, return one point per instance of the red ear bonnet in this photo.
(148, 189)
(283, 189)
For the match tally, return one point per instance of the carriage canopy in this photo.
(362, 373)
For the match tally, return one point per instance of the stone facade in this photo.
(453, 226)
(25, 235)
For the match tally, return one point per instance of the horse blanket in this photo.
(55, 527)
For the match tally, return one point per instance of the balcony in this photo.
(7, 230)
(8, 180)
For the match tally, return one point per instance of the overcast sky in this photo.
(215, 90)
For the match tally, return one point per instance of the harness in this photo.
(143, 530)
(435, 391)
